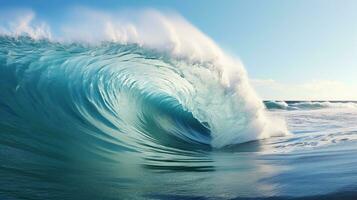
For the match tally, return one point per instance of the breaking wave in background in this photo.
(309, 105)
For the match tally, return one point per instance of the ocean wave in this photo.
(123, 94)
(168, 94)
(308, 105)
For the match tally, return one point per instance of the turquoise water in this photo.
(117, 121)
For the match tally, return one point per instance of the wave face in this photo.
(308, 105)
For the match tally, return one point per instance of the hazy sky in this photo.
(296, 49)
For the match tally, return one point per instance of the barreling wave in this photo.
(131, 92)
(307, 105)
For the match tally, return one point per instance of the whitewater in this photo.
(143, 105)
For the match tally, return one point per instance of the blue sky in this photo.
(296, 49)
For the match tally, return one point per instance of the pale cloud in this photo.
(310, 90)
